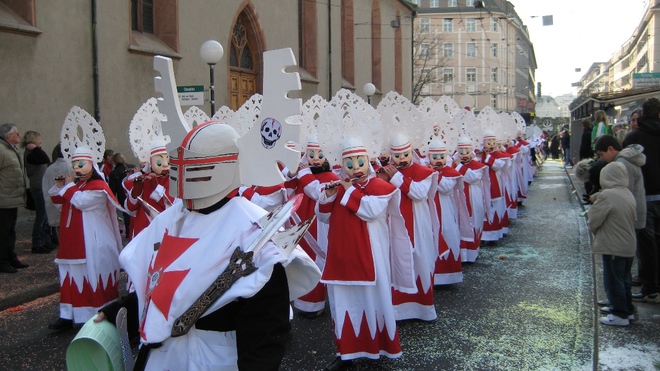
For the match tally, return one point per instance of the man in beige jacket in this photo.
(12, 196)
(612, 221)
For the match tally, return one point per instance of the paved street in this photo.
(527, 303)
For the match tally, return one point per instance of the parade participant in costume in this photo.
(152, 187)
(368, 254)
(191, 244)
(310, 180)
(477, 195)
(453, 215)
(525, 148)
(515, 177)
(492, 230)
(505, 178)
(89, 240)
(418, 185)
(266, 197)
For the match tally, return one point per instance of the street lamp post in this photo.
(369, 89)
(211, 52)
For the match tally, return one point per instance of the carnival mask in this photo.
(82, 168)
(160, 164)
(356, 166)
(315, 157)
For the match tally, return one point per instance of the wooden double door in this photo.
(243, 85)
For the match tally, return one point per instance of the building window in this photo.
(471, 50)
(434, 3)
(424, 51)
(347, 40)
(452, 3)
(448, 50)
(493, 25)
(154, 26)
(447, 25)
(142, 14)
(471, 74)
(426, 79)
(493, 74)
(18, 16)
(469, 2)
(493, 101)
(448, 75)
(493, 50)
(424, 25)
(470, 24)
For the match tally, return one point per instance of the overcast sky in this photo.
(584, 32)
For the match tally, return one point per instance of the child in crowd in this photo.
(611, 220)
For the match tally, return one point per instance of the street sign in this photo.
(192, 95)
(646, 80)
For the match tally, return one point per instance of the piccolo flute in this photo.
(382, 169)
(334, 184)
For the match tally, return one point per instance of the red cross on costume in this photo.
(162, 285)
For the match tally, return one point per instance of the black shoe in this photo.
(5, 267)
(52, 246)
(338, 364)
(40, 250)
(61, 324)
(18, 264)
(311, 315)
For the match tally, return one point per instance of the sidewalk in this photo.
(39, 279)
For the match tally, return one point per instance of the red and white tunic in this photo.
(515, 180)
(311, 186)
(89, 248)
(418, 186)
(493, 223)
(477, 195)
(455, 226)
(268, 198)
(154, 192)
(366, 258)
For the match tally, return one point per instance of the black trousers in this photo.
(8, 218)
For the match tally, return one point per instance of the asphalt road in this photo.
(527, 303)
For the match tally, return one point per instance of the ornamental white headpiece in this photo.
(146, 129)
(490, 122)
(79, 121)
(400, 116)
(468, 127)
(347, 116)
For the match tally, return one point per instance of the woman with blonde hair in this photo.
(601, 127)
(36, 161)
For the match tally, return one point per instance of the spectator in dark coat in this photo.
(647, 135)
(586, 152)
(585, 141)
(566, 147)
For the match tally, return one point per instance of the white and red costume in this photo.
(311, 186)
(418, 186)
(368, 254)
(454, 226)
(89, 248)
(516, 181)
(492, 230)
(477, 195)
(266, 197)
(154, 192)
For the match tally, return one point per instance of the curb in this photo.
(29, 295)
